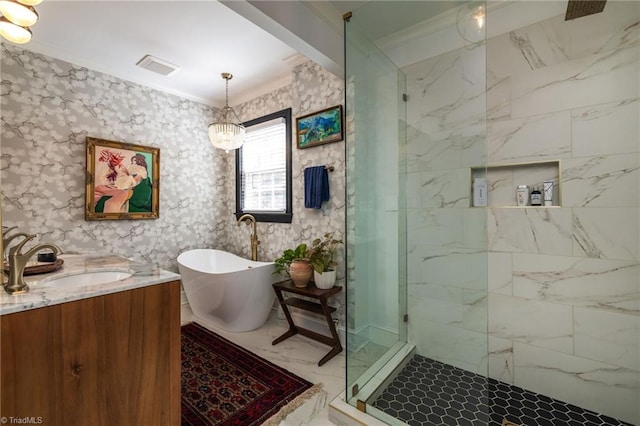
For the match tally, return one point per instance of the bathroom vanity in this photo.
(76, 354)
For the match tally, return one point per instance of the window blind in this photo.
(263, 167)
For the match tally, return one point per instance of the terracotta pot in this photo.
(324, 280)
(300, 272)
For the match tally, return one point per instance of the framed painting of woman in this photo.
(123, 181)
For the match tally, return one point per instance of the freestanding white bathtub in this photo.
(226, 290)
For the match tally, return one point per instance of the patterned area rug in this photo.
(225, 384)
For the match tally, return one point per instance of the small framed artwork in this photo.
(123, 181)
(320, 127)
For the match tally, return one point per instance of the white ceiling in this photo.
(204, 37)
(208, 37)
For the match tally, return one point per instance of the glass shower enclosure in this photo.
(416, 246)
(461, 303)
(376, 234)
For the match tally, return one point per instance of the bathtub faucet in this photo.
(254, 237)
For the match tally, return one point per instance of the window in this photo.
(263, 169)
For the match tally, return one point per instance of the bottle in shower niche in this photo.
(479, 192)
(522, 195)
(536, 196)
(547, 192)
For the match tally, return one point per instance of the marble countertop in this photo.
(40, 295)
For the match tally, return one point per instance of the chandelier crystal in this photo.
(227, 134)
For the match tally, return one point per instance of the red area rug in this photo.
(225, 384)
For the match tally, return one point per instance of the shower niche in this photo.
(502, 181)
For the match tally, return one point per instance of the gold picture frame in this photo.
(320, 127)
(122, 181)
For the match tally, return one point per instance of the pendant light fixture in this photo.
(470, 22)
(227, 134)
(17, 17)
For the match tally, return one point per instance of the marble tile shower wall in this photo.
(564, 288)
(446, 243)
(564, 312)
(312, 89)
(50, 106)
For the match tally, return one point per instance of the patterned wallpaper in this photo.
(49, 107)
(312, 89)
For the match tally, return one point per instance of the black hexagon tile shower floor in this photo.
(428, 392)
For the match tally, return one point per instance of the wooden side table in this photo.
(319, 308)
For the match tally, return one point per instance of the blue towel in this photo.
(316, 186)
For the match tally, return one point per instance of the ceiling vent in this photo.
(158, 65)
(580, 8)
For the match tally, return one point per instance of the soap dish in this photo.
(39, 268)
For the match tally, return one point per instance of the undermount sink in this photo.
(86, 278)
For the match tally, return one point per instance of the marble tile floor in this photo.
(362, 357)
(297, 354)
(300, 355)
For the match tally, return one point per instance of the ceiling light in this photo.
(18, 13)
(478, 17)
(30, 2)
(470, 22)
(227, 134)
(14, 33)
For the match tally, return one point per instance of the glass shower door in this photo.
(416, 254)
(376, 222)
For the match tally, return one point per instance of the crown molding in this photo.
(263, 89)
(439, 34)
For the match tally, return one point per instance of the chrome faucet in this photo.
(254, 236)
(18, 261)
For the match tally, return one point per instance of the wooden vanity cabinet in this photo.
(105, 360)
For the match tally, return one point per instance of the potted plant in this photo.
(321, 255)
(296, 264)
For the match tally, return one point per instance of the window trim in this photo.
(275, 217)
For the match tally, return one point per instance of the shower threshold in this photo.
(429, 392)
